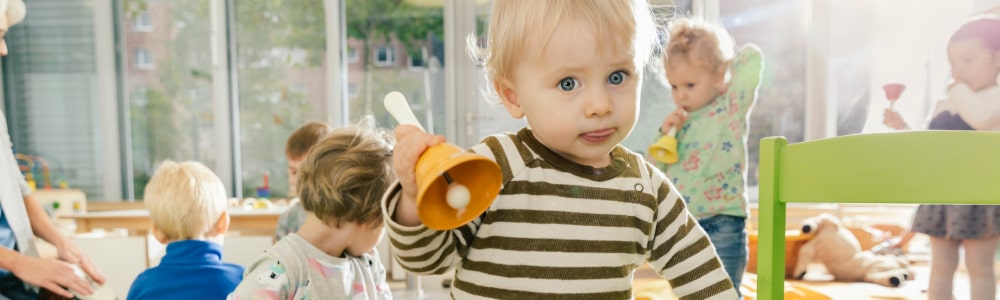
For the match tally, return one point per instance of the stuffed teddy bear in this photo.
(833, 245)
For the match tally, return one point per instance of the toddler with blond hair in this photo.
(187, 204)
(577, 212)
(715, 87)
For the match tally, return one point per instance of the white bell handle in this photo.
(396, 104)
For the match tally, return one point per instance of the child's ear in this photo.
(508, 94)
(722, 80)
(160, 237)
(222, 225)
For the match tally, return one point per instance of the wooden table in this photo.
(137, 222)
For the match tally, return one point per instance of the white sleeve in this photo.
(25, 189)
(981, 110)
(6, 146)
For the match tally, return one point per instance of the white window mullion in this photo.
(107, 95)
(460, 74)
(222, 106)
(821, 109)
(336, 68)
(708, 10)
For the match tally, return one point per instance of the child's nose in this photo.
(598, 102)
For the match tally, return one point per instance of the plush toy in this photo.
(839, 250)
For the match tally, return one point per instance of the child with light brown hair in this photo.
(577, 212)
(296, 148)
(715, 88)
(332, 256)
(187, 205)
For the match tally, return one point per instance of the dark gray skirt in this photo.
(958, 221)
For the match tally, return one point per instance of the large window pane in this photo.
(168, 84)
(50, 92)
(884, 46)
(389, 37)
(484, 116)
(656, 99)
(282, 74)
(779, 28)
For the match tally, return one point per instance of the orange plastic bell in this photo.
(454, 186)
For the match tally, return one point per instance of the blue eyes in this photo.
(570, 83)
(617, 77)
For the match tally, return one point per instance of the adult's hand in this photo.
(51, 274)
(70, 253)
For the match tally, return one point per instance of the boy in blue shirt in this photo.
(187, 204)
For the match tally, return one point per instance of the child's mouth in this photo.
(598, 136)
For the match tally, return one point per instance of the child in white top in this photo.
(973, 103)
(332, 256)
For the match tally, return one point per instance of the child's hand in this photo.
(675, 119)
(410, 144)
(893, 120)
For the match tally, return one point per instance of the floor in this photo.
(816, 279)
(909, 290)
(431, 288)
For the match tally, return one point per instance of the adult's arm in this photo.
(43, 227)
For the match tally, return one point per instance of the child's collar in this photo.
(619, 159)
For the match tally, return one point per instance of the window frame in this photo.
(142, 59)
(390, 56)
(353, 54)
(423, 61)
(143, 22)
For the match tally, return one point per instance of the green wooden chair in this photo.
(919, 167)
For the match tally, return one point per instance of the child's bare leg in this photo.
(944, 261)
(979, 260)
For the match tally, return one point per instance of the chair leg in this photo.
(771, 250)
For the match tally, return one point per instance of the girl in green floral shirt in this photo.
(714, 90)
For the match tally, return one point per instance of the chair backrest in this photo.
(919, 167)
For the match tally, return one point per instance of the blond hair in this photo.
(14, 9)
(185, 200)
(346, 173)
(514, 24)
(305, 137)
(699, 43)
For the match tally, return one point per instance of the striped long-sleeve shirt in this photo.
(560, 230)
